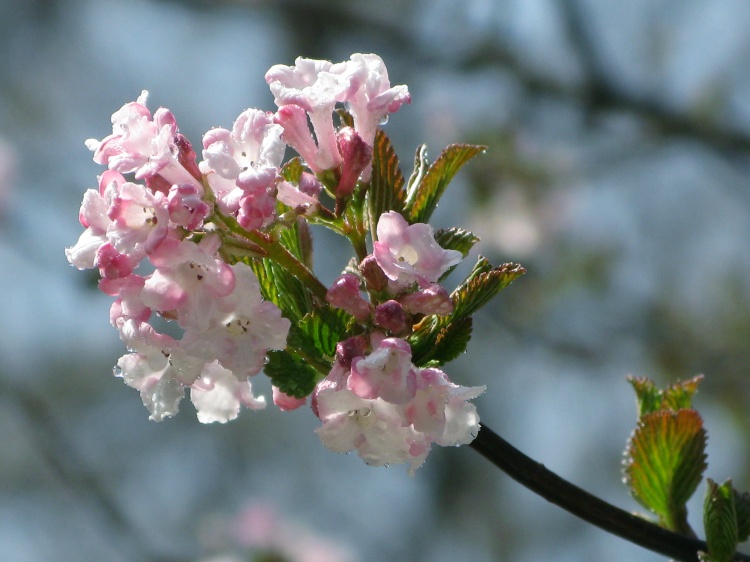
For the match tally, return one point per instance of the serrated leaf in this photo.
(282, 288)
(481, 286)
(319, 332)
(720, 520)
(676, 396)
(296, 238)
(647, 395)
(436, 179)
(742, 508)
(680, 394)
(665, 460)
(386, 191)
(450, 342)
(456, 239)
(290, 374)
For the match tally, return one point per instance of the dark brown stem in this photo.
(550, 486)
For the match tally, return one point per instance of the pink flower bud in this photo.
(350, 349)
(310, 185)
(374, 276)
(186, 155)
(391, 316)
(345, 294)
(285, 402)
(357, 156)
(432, 300)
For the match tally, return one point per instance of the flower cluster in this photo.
(201, 247)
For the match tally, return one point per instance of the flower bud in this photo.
(432, 300)
(345, 294)
(357, 156)
(349, 349)
(374, 276)
(391, 316)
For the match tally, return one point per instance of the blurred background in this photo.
(617, 174)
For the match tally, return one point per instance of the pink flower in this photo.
(187, 281)
(357, 157)
(142, 144)
(371, 427)
(315, 86)
(297, 199)
(374, 98)
(390, 316)
(218, 395)
(149, 369)
(128, 305)
(249, 150)
(297, 134)
(386, 373)
(239, 328)
(93, 216)
(390, 411)
(409, 253)
(140, 220)
(187, 207)
(242, 165)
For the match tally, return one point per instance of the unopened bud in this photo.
(349, 349)
(391, 316)
(357, 156)
(373, 274)
(433, 299)
(345, 294)
(186, 156)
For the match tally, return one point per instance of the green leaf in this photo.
(290, 374)
(296, 238)
(680, 394)
(674, 397)
(665, 460)
(456, 239)
(282, 288)
(386, 192)
(742, 508)
(432, 186)
(483, 283)
(292, 170)
(720, 520)
(318, 332)
(451, 341)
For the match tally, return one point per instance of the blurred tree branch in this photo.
(72, 474)
(596, 94)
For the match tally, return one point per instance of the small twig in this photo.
(550, 486)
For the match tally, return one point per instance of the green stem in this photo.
(588, 507)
